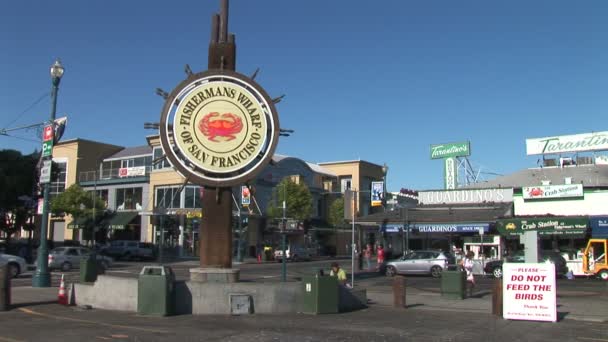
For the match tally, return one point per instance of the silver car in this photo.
(66, 258)
(16, 265)
(420, 262)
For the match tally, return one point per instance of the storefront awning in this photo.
(121, 219)
(79, 223)
(562, 226)
(599, 227)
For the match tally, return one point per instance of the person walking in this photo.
(367, 255)
(380, 253)
(467, 265)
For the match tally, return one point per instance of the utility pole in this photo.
(42, 277)
(284, 236)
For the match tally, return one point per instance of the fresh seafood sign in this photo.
(459, 149)
(220, 126)
(552, 191)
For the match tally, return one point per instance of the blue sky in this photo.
(370, 80)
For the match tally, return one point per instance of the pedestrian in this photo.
(380, 253)
(336, 271)
(467, 265)
(367, 255)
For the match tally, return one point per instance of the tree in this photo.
(18, 177)
(78, 203)
(336, 212)
(298, 201)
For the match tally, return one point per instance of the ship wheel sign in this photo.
(219, 128)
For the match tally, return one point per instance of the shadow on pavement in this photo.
(22, 305)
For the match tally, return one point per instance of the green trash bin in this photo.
(453, 284)
(155, 291)
(319, 294)
(88, 270)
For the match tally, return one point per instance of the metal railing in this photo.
(106, 174)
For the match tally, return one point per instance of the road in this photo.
(271, 272)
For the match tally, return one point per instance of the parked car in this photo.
(66, 258)
(16, 265)
(494, 267)
(431, 262)
(294, 253)
(130, 250)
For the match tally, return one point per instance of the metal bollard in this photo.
(497, 297)
(399, 292)
(5, 288)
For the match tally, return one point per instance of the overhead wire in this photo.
(46, 94)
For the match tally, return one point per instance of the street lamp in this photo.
(384, 171)
(42, 277)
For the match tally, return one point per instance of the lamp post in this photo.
(384, 171)
(42, 277)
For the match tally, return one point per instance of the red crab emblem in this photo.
(215, 125)
(536, 192)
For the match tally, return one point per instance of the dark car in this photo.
(561, 268)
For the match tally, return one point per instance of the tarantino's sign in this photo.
(459, 149)
(597, 141)
(220, 126)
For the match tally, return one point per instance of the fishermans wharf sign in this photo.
(568, 143)
(219, 128)
(465, 196)
(459, 149)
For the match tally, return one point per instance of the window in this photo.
(103, 194)
(161, 164)
(192, 198)
(59, 186)
(167, 197)
(345, 184)
(129, 199)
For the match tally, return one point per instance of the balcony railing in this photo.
(120, 173)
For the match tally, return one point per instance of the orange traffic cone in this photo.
(62, 298)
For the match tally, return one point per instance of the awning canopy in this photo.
(120, 219)
(80, 223)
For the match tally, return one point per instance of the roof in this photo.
(347, 162)
(588, 175)
(442, 214)
(314, 167)
(132, 152)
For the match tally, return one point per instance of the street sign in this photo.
(47, 133)
(45, 172)
(47, 148)
(481, 231)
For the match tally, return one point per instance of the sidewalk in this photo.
(571, 305)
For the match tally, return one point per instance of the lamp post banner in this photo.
(377, 193)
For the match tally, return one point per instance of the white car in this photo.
(294, 254)
(16, 265)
